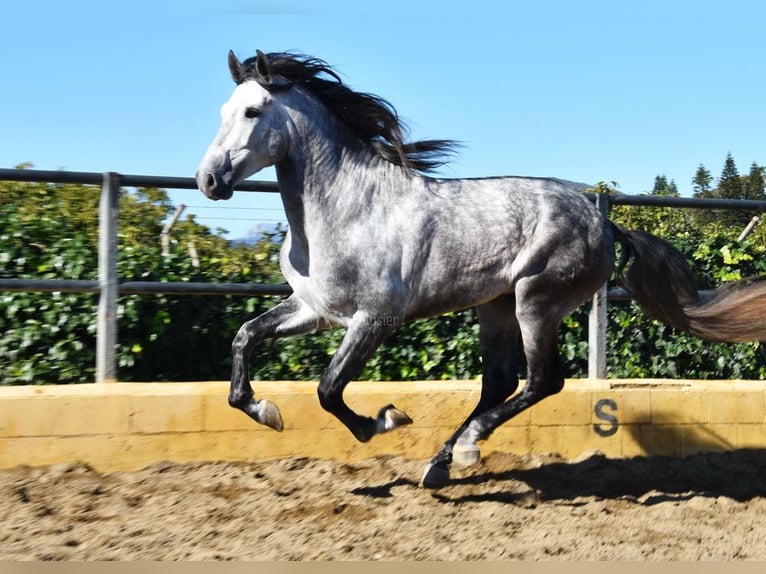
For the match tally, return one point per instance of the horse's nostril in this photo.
(210, 181)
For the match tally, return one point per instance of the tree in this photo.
(755, 183)
(730, 185)
(662, 187)
(701, 182)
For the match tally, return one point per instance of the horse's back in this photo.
(487, 234)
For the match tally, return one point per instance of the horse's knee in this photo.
(329, 399)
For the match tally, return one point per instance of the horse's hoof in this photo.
(465, 455)
(389, 418)
(434, 476)
(268, 414)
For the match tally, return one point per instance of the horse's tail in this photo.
(662, 283)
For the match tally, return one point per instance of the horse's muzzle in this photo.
(214, 186)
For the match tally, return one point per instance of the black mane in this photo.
(371, 118)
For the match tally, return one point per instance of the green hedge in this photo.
(50, 232)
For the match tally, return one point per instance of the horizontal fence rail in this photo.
(95, 178)
(108, 287)
(145, 287)
(693, 202)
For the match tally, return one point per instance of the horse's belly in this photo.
(460, 291)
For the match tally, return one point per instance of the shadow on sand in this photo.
(712, 467)
(511, 479)
(738, 474)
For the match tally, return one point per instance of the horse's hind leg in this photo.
(291, 317)
(539, 318)
(498, 339)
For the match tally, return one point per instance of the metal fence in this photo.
(108, 286)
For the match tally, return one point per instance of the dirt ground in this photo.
(706, 507)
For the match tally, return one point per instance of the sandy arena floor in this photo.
(706, 507)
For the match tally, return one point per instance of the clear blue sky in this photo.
(588, 90)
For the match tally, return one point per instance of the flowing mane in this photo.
(371, 118)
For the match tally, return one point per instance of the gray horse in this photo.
(374, 242)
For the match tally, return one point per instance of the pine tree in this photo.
(662, 187)
(701, 182)
(755, 184)
(730, 185)
(660, 183)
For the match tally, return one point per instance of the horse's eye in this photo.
(252, 113)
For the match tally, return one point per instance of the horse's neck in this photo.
(328, 175)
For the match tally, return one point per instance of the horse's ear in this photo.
(263, 67)
(235, 67)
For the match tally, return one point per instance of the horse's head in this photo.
(252, 133)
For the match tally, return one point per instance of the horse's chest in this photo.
(328, 291)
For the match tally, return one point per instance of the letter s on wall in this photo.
(599, 410)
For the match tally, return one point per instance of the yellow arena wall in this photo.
(126, 426)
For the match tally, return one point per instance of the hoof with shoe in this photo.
(268, 414)
(389, 418)
(465, 455)
(435, 476)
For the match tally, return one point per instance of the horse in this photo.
(375, 240)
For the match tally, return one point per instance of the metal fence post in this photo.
(597, 319)
(106, 328)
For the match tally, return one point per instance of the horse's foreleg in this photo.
(291, 317)
(498, 340)
(363, 337)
